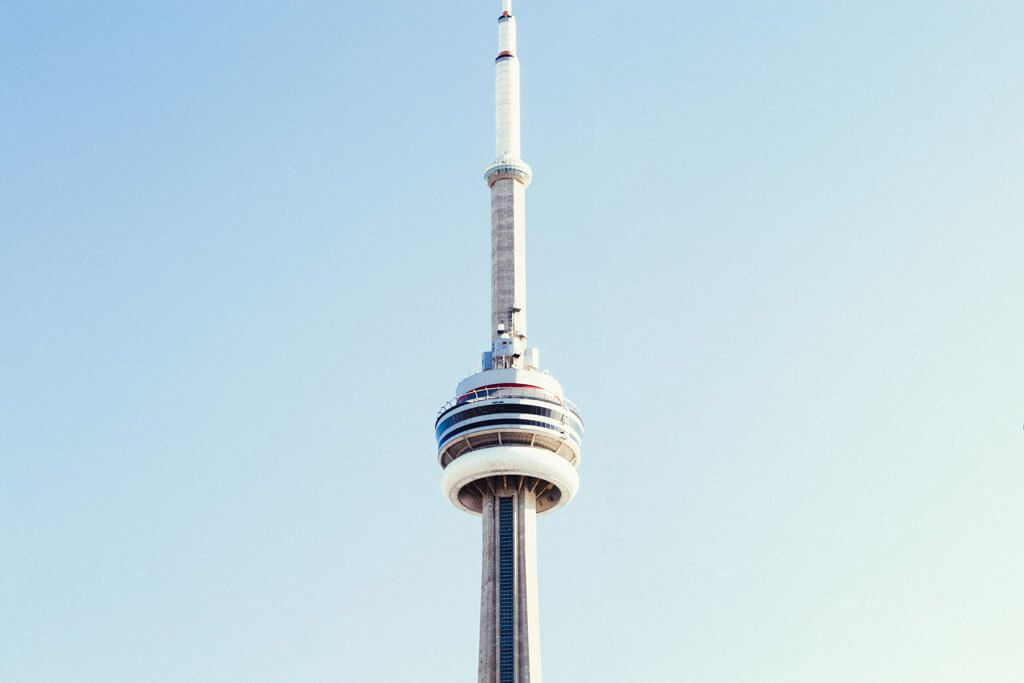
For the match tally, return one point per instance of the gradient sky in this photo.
(775, 255)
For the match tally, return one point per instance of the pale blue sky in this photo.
(775, 255)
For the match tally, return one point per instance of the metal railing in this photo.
(485, 394)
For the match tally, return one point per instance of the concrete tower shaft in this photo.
(508, 268)
(509, 623)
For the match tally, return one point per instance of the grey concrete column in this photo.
(488, 669)
(508, 255)
(521, 577)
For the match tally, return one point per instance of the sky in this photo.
(774, 254)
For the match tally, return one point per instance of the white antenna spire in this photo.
(506, 89)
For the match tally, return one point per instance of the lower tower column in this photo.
(509, 628)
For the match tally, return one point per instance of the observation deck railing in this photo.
(484, 394)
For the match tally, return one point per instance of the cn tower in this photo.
(509, 442)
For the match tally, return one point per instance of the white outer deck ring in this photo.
(510, 460)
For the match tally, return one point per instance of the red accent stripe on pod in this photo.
(504, 53)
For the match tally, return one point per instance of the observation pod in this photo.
(509, 428)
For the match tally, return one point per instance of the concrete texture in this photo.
(508, 256)
(526, 628)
